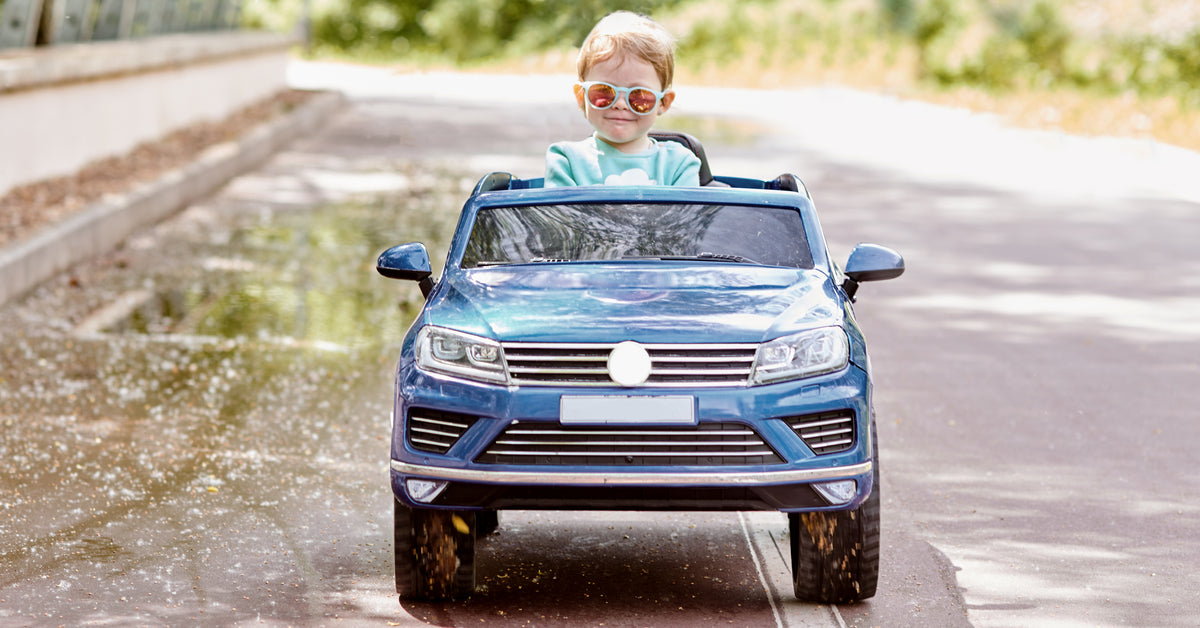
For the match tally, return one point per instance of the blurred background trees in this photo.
(1147, 47)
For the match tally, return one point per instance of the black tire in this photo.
(486, 522)
(434, 553)
(835, 555)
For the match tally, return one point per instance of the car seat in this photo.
(693, 144)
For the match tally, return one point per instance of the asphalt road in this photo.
(195, 426)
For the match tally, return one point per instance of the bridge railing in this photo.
(27, 23)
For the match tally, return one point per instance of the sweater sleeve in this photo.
(558, 167)
(686, 167)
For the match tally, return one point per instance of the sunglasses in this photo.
(641, 100)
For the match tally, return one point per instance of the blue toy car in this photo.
(636, 348)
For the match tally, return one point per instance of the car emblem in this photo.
(629, 364)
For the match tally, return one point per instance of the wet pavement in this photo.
(195, 427)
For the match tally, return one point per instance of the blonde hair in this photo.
(624, 34)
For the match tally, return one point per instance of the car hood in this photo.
(647, 302)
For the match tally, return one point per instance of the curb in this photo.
(105, 224)
(65, 63)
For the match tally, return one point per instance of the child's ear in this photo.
(579, 95)
(665, 104)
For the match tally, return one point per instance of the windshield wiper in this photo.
(708, 257)
(536, 260)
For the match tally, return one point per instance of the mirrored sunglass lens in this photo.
(641, 100)
(601, 95)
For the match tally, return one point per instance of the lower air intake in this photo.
(707, 444)
(827, 433)
(434, 431)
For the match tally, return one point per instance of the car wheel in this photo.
(486, 522)
(835, 555)
(434, 552)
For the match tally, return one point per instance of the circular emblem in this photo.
(629, 364)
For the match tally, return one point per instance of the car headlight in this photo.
(801, 355)
(444, 350)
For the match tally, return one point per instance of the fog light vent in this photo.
(826, 433)
(434, 431)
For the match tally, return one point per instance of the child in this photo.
(626, 66)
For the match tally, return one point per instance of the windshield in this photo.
(598, 232)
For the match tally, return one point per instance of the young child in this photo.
(626, 66)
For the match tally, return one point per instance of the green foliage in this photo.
(712, 33)
(997, 48)
(1014, 44)
(992, 44)
(465, 30)
(900, 15)
(370, 25)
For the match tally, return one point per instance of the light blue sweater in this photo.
(595, 162)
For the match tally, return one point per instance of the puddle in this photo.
(247, 308)
(163, 415)
(296, 278)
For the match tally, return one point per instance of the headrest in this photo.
(693, 144)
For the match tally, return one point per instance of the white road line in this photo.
(837, 616)
(761, 576)
(776, 569)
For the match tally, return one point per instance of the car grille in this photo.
(434, 431)
(709, 444)
(826, 433)
(690, 365)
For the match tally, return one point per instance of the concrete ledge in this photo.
(64, 107)
(33, 68)
(104, 225)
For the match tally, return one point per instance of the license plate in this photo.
(624, 410)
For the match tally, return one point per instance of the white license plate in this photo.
(624, 410)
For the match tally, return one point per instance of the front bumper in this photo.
(461, 480)
(655, 490)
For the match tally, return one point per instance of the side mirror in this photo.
(871, 262)
(407, 261)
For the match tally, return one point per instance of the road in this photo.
(195, 426)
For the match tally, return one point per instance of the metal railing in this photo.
(26, 23)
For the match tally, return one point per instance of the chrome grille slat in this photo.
(818, 423)
(549, 357)
(435, 431)
(709, 444)
(673, 365)
(637, 443)
(607, 383)
(825, 433)
(424, 419)
(433, 443)
(834, 445)
(429, 432)
(557, 370)
(698, 454)
(626, 432)
(715, 371)
(607, 346)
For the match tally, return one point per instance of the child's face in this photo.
(618, 125)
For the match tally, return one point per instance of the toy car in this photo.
(636, 348)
